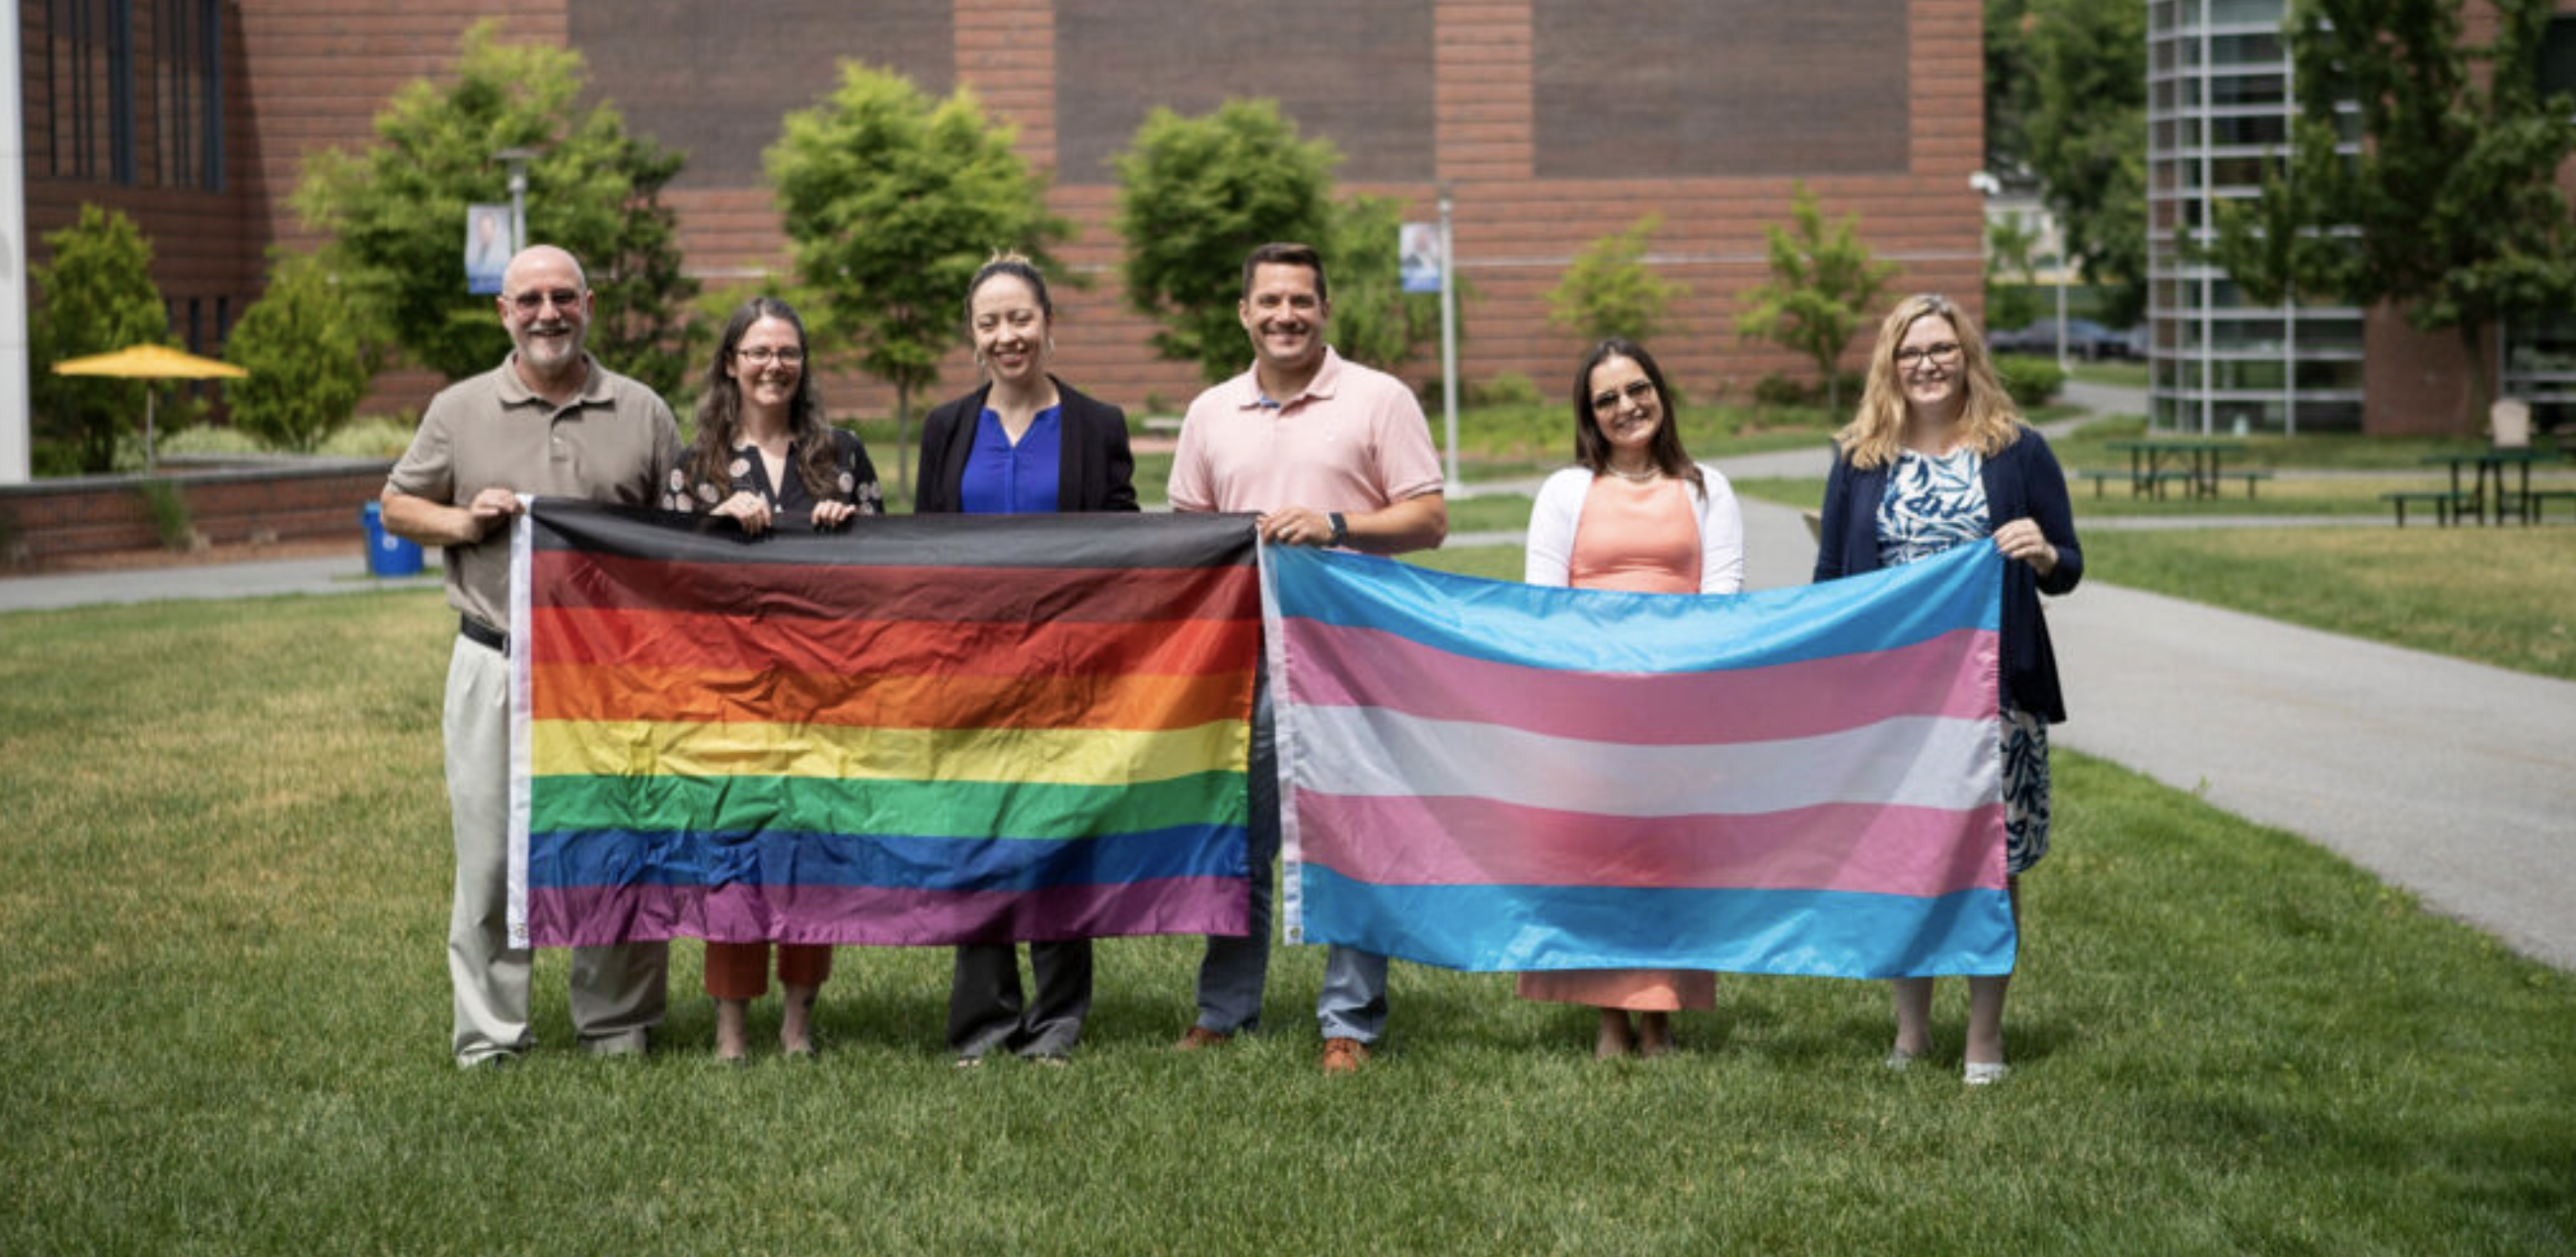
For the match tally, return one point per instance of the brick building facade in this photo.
(1551, 122)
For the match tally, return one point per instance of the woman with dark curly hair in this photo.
(765, 453)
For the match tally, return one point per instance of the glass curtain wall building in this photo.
(2219, 105)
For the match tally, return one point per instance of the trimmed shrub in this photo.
(2029, 381)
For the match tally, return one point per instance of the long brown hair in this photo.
(818, 458)
(1592, 445)
(1876, 434)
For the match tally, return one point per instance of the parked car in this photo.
(2085, 339)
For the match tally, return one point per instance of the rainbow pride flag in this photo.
(913, 731)
(1494, 777)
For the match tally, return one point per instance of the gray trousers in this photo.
(984, 1009)
(617, 992)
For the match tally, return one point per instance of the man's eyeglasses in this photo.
(1638, 391)
(1946, 351)
(763, 355)
(532, 301)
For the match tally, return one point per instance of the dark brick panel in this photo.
(1358, 72)
(716, 80)
(1722, 88)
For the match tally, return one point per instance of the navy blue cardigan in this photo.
(2021, 482)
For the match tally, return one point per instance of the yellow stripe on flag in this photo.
(1079, 757)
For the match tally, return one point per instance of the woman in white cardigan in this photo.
(1636, 514)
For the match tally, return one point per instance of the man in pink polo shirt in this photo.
(1327, 453)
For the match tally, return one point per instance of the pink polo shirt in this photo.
(1354, 441)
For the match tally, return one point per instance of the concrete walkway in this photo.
(2453, 780)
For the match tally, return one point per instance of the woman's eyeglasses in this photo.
(763, 355)
(1638, 391)
(1946, 351)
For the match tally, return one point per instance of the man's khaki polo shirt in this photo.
(616, 442)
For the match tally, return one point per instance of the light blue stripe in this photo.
(1604, 631)
(1821, 933)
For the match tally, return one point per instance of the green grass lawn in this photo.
(2504, 596)
(226, 891)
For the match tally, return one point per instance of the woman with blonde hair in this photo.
(1938, 457)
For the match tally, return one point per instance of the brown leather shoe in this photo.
(1344, 1056)
(1201, 1037)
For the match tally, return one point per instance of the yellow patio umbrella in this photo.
(150, 362)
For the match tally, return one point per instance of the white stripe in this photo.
(1920, 761)
(522, 564)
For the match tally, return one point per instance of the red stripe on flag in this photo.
(750, 643)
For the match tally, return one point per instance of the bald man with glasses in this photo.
(548, 421)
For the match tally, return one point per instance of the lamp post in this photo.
(1449, 340)
(518, 159)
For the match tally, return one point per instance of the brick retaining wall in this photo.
(44, 523)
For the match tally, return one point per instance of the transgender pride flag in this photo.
(910, 731)
(1488, 776)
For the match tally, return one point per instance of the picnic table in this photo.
(2196, 463)
(2489, 463)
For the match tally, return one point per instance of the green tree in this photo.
(1375, 321)
(1609, 291)
(2446, 202)
(2080, 103)
(95, 297)
(2007, 64)
(1825, 284)
(307, 354)
(1197, 194)
(891, 202)
(396, 210)
(2010, 302)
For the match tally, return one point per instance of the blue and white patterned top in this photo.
(1932, 504)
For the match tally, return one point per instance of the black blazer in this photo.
(2021, 482)
(1094, 470)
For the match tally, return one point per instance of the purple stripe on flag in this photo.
(1340, 666)
(1453, 841)
(589, 916)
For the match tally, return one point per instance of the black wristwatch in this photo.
(1341, 529)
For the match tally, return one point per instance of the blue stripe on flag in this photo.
(618, 857)
(1501, 929)
(1595, 631)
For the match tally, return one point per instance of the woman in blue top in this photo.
(1025, 442)
(1938, 457)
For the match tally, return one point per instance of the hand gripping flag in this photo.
(913, 731)
(1488, 776)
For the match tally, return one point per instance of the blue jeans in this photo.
(1234, 970)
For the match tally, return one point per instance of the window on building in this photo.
(187, 83)
(121, 110)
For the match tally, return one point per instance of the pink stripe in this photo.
(592, 916)
(1949, 675)
(1451, 841)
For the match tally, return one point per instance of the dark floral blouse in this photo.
(691, 492)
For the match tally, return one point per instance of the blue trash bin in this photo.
(387, 554)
